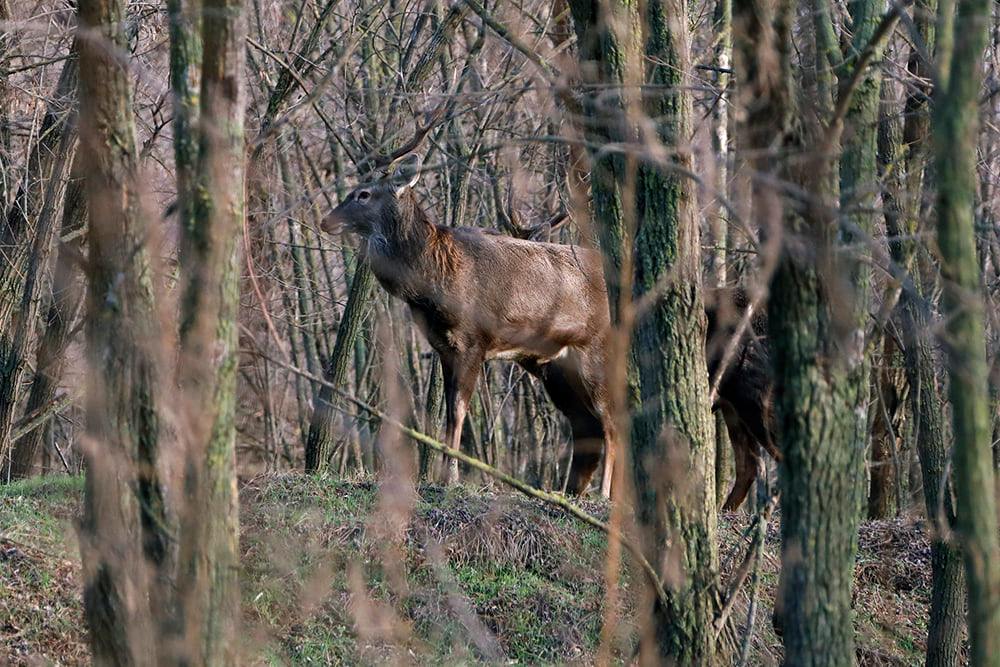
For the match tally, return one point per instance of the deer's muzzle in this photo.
(332, 223)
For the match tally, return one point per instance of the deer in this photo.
(479, 294)
(737, 357)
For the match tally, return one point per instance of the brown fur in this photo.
(478, 295)
(746, 387)
(443, 253)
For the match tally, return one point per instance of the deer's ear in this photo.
(405, 172)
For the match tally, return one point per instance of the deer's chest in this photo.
(435, 321)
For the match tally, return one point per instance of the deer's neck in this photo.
(412, 230)
(415, 259)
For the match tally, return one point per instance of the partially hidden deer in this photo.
(478, 294)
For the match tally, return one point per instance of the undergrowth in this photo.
(346, 572)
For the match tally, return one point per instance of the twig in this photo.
(846, 92)
(36, 65)
(505, 33)
(62, 457)
(311, 97)
(433, 119)
(30, 422)
(550, 74)
(768, 499)
(257, 291)
(749, 559)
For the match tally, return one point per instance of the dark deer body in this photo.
(745, 388)
(480, 295)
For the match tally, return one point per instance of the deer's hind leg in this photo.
(746, 451)
(588, 447)
(567, 386)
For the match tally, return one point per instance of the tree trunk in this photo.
(25, 243)
(209, 263)
(956, 123)
(185, 56)
(859, 187)
(319, 445)
(653, 209)
(884, 490)
(122, 423)
(67, 292)
(676, 426)
(5, 103)
(724, 463)
(903, 203)
(815, 319)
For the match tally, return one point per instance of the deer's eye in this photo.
(364, 196)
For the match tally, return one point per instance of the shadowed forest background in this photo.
(222, 441)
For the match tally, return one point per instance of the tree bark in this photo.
(209, 262)
(904, 205)
(646, 219)
(723, 20)
(185, 56)
(859, 187)
(67, 292)
(814, 316)
(25, 243)
(122, 423)
(677, 508)
(5, 107)
(956, 124)
(319, 445)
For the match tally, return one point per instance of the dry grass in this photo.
(40, 612)
(477, 575)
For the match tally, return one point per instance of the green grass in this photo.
(348, 573)
(36, 511)
(51, 486)
(39, 571)
(466, 576)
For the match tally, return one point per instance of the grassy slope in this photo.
(335, 574)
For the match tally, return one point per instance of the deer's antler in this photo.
(379, 160)
(514, 224)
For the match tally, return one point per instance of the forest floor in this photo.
(336, 572)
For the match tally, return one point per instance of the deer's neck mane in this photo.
(420, 242)
(416, 260)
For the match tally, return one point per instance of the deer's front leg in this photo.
(460, 375)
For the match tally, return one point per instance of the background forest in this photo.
(221, 440)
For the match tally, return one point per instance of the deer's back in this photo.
(526, 297)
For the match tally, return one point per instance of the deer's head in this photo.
(372, 210)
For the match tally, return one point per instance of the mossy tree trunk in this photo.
(821, 472)
(675, 426)
(209, 263)
(956, 124)
(185, 58)
(320, 441)
(123, 500)
(859, 187)
(648, 229)
(906, 223)
(816, 312)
